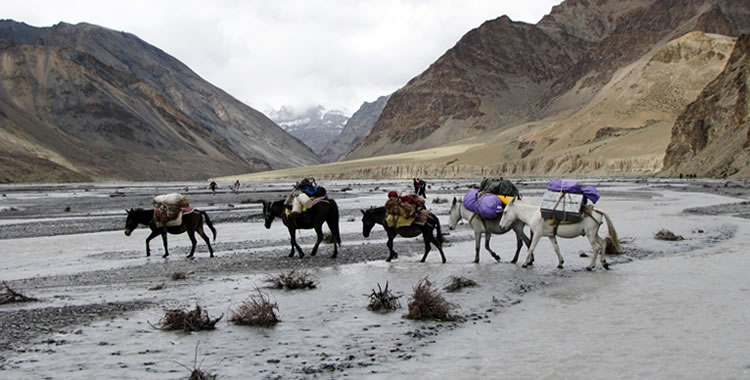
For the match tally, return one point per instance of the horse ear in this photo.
(454, 201)
(363, 211)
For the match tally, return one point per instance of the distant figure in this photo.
(419, 187)
(212, 186)
(236, 186)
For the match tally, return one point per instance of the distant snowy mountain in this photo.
(315, 126)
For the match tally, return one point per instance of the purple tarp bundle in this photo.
(589, 192)
(489, 206)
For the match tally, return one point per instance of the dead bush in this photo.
(383, 300)
(667, 235)
(194, 320)
(179, 276)
(428, 303)
(292, 280)
(196, 373)
(12, 296)
(457, 283)
(258, 310)
(439, 200)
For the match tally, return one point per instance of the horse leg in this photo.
(319, 234)
(520, 236)
(392, 254)
(194, 241)
(560, 260)
(148, 239)
(164, 240)
(487, 236)
(532, 247)
(293, 239)
(598, 246)
(427, 238)
(205, 238)
(477, 245)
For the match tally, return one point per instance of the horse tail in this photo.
(333, 222)
(612, 232)
(208, 223)
(437, 227)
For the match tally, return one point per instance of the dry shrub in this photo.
(667, 235)
(195, 320)
(258, 310)
(198, 374)
(439, 200)
(12, 296)
(428, 303)
(383, 300)
(457, 283)
(292, 280)
(179, 276)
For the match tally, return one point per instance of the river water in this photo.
(664, 310)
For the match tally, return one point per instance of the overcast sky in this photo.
(298, 53)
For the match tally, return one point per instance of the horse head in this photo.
(268, 214)
(454, 215)
(510, 214)
(131, 222)
(368, 221)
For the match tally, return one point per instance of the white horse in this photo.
(531, 215)
(487, 227)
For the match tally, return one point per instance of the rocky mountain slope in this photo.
(545, 96)
(316, 127)
(712, 136)
(623, 130)
(81, 102)
(355, 129)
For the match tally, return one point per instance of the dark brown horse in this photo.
(376, 215)
(324, 211)
(192, 222)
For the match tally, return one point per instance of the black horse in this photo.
(192, 222)
(324, 211)
(376, 215)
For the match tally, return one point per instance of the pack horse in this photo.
(531, 215)
(192, 222)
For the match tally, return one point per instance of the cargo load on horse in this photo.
(404, 209)
(169, 208)
(304, 195)
(564, 201)
(488, 200)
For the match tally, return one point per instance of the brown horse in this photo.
(192, 222)
(324, 211)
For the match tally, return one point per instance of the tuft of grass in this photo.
(383, 300)
(292, 280)
(664, 234)
(457, 283)
(194, 320)
(427, 303)
(258, 310)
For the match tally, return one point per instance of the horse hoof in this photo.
(583, 255)
(560, 266)
(388, 260)
(421, 261)
(606, 266)
(443, 261)
(525, 266)
(476, 261)
(589, 269)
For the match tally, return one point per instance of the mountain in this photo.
(712, 136)
(315, 126)
(82, 102)
(355, 129)
(542, 97)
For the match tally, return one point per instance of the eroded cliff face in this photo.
(92, 103)
(712, 136)
(503, 75)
